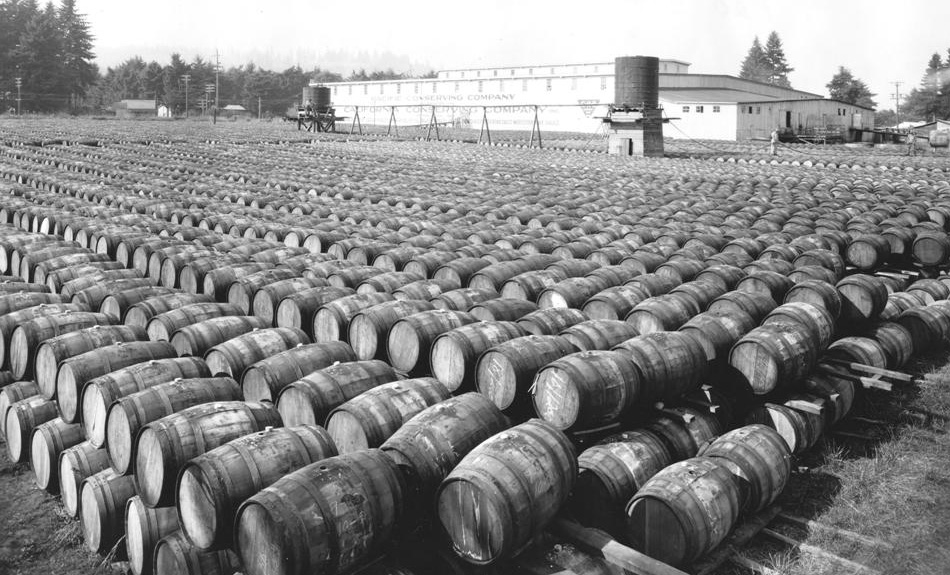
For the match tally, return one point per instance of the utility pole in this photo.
(19, 83)
(186, 78)
(897, 101)
(217, 68)
(258, 108)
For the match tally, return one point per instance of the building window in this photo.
(480, 85)
(603, 83)
(512, 72)
(365, 89)
(530, 71)
(478, 74)
(547, 84)
(463, 74)
(573, 83)
(524, 85)
(715, 109)
(399, 88)
(457, 87)
(750, 109)
(552, 70)
(699, 109)
(349, 90)
(494, 73)
(686, 109)
(381, 86)
(434, 85)
(595, 69)
(501, 85)
(758, 109)
(415, 88)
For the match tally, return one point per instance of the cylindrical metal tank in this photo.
(321, 99)
(307, 95)
(637, 82)
(939, 138)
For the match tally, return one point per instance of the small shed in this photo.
(135, 109)
(235, 111)
(164, 111)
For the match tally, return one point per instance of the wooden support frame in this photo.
(484, 129)
(356, 121)
(433, 122)
(392, 122)
(535, 129)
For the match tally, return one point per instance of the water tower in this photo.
(635, 120)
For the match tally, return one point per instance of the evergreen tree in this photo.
(775, 58)
(845, 87)
(38, 58)
(755, 65)
(77, 70)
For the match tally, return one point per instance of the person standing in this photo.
(911, 143)
(773, 143)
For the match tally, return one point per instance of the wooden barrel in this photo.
(505, 372)
(331, 322)
(757, 305)
(614, 302)
(309, 400)
(896, 342)
(929, 290)
(671, 363)
(931, 248)
(217, 282)
(129, 414)
(233, 356)
(95, 279)
(572, 292)
(929, 327)
(410, 339)
(594, 334)
(855, 349)
(502, 309)
(838, 392)
(144, 527)
(717, 332)
(56, 279)
(427, 263)
(162, 326)
(759, 458)
(683, 511)
(266, 299)
(43, 269)
(27, 338)
(48, 441)
(175, 554)
(425, 290)
(863, 297)
(495, 275)
(93, 296)
(212, 486)
(824, 258)
(198, 338)
(19, 422)
(99, 393)
(868, 251)
(518, 480)
(387, 282)
(462, 299)
(103, 499)
(723, 275)
(349, 503)
(33, 258)
(12, 302)
(660, 313)
(12, 393)
(454, 353)
(529, 285)
(770, 283)
(191, 276)
(10, 321)
(817, 319)
(369, 329)
(551, 321)
(774, 356)
(681, 270)
(612, 472)
(816, 292)
(165, 445)
(76, 464)
(799, 429)
(141, 313)
(369, 419)
(243, 288)
(76, 371)
(805, 273)
(265, 379)
(586, 390)
(297, 310)
(117, 304)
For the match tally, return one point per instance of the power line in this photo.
(897, 100)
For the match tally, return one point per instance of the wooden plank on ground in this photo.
(853, 568)
(739, 537)
(600, 544)
(754, 566)
(843, 533)
(872, 370)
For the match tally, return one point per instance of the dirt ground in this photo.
(36, 536)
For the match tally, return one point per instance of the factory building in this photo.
(575, 98)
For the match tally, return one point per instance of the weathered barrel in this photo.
(233, 356)
(425, 289)
(53, 351)
(369, 419)
(868, 251)
(799, 429)
(410, 339)
(13, 393)
(48, 441)
(855, 349)
(141, 313)
(757, 304)
(265, 379)
(99, 393)
(454, 353)
(551, 321)
(265, 300)
(572, 292)
(310, 399)
(671, 363)
(683, 511)
(242, 289)
(717, 332)
(863, 297)
(10, 321)
(369, 329)
(931, 248)
(818, 320)
(586, 390)
(144, 527)
(816, 292)
(26, 338)
(505, 372)
(162, 326)
(595, 334)
(198, 338)
(56, 279)
(217, 282)
(502, 309)
(19, 422)
(611, 472)
(117, 304)
(164, 446)
(774, 356)
(517, 480)
(175, 554)
(824, 258)
(76, 464)
(760, 460)
(348, 507)
(614, 302)
(838, 392)
(529, 285)
(895, 340)
(297, 310)
(660, 313)
(211, 486)
(94, 295)
(12, 302)
(331, 322)
(76, 371)
(94, 280)
(127, 415)
(929, 327)
(463, 298)
(103, 498)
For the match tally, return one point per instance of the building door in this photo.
(788, 119)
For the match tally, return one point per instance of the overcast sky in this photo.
(879, 41)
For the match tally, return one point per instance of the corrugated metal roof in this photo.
(137, 104)
(711, 96)
(235, 108)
